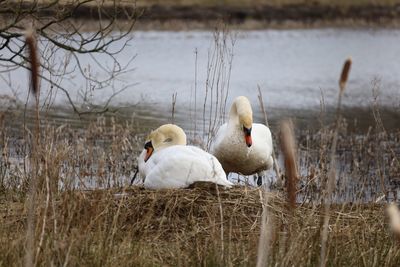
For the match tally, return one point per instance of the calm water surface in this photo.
(294, 68)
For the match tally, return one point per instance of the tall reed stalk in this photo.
(267, 226)
(276, 166)
(30, 40)
(330, 186)
(174, 95)
(289, 152)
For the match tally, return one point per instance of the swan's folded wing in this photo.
(178, 167)
(263, 133)
(216, 173)
(263, 146)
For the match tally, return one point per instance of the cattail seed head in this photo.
(289, 151)
(30, 40)
(345, 74)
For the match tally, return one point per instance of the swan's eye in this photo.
(168, 140)
(247, 131)
(148, 145)
(247, 136)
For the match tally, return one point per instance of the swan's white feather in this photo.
(234, 155)
(179, 166)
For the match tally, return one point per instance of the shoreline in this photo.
(194, 16)
(254, 25)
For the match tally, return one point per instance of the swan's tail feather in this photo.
(224, 182)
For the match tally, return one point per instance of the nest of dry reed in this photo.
(163, 214)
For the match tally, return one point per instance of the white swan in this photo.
(166, 161)
(243, 146)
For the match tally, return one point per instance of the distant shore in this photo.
(290, 15)
(173, 16)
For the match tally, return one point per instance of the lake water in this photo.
(295, 69)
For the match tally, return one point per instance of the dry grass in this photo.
(180, 227)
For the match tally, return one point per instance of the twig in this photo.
(276, 166)
(195, 92)
(222, 222)
(174, 95)
(134, 176)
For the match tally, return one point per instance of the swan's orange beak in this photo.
(247, 136)
(149, 150)
(249, 142)
(148, 154)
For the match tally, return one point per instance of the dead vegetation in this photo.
(182, 227)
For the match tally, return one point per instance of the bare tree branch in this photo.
(60, 34)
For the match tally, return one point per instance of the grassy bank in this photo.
(189, 228)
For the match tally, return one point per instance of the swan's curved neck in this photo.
(178, 138)
(233, 116)
(240, 113)
(169, 136)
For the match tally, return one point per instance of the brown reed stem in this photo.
(330, 187)
(221, 214)
(380, 126)
(44, 223)
(345, 74)
(174, 95)
(266, 221)
(264, 242)
(31, 199)
(276, 166)
(289, 152)
(195, 93)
